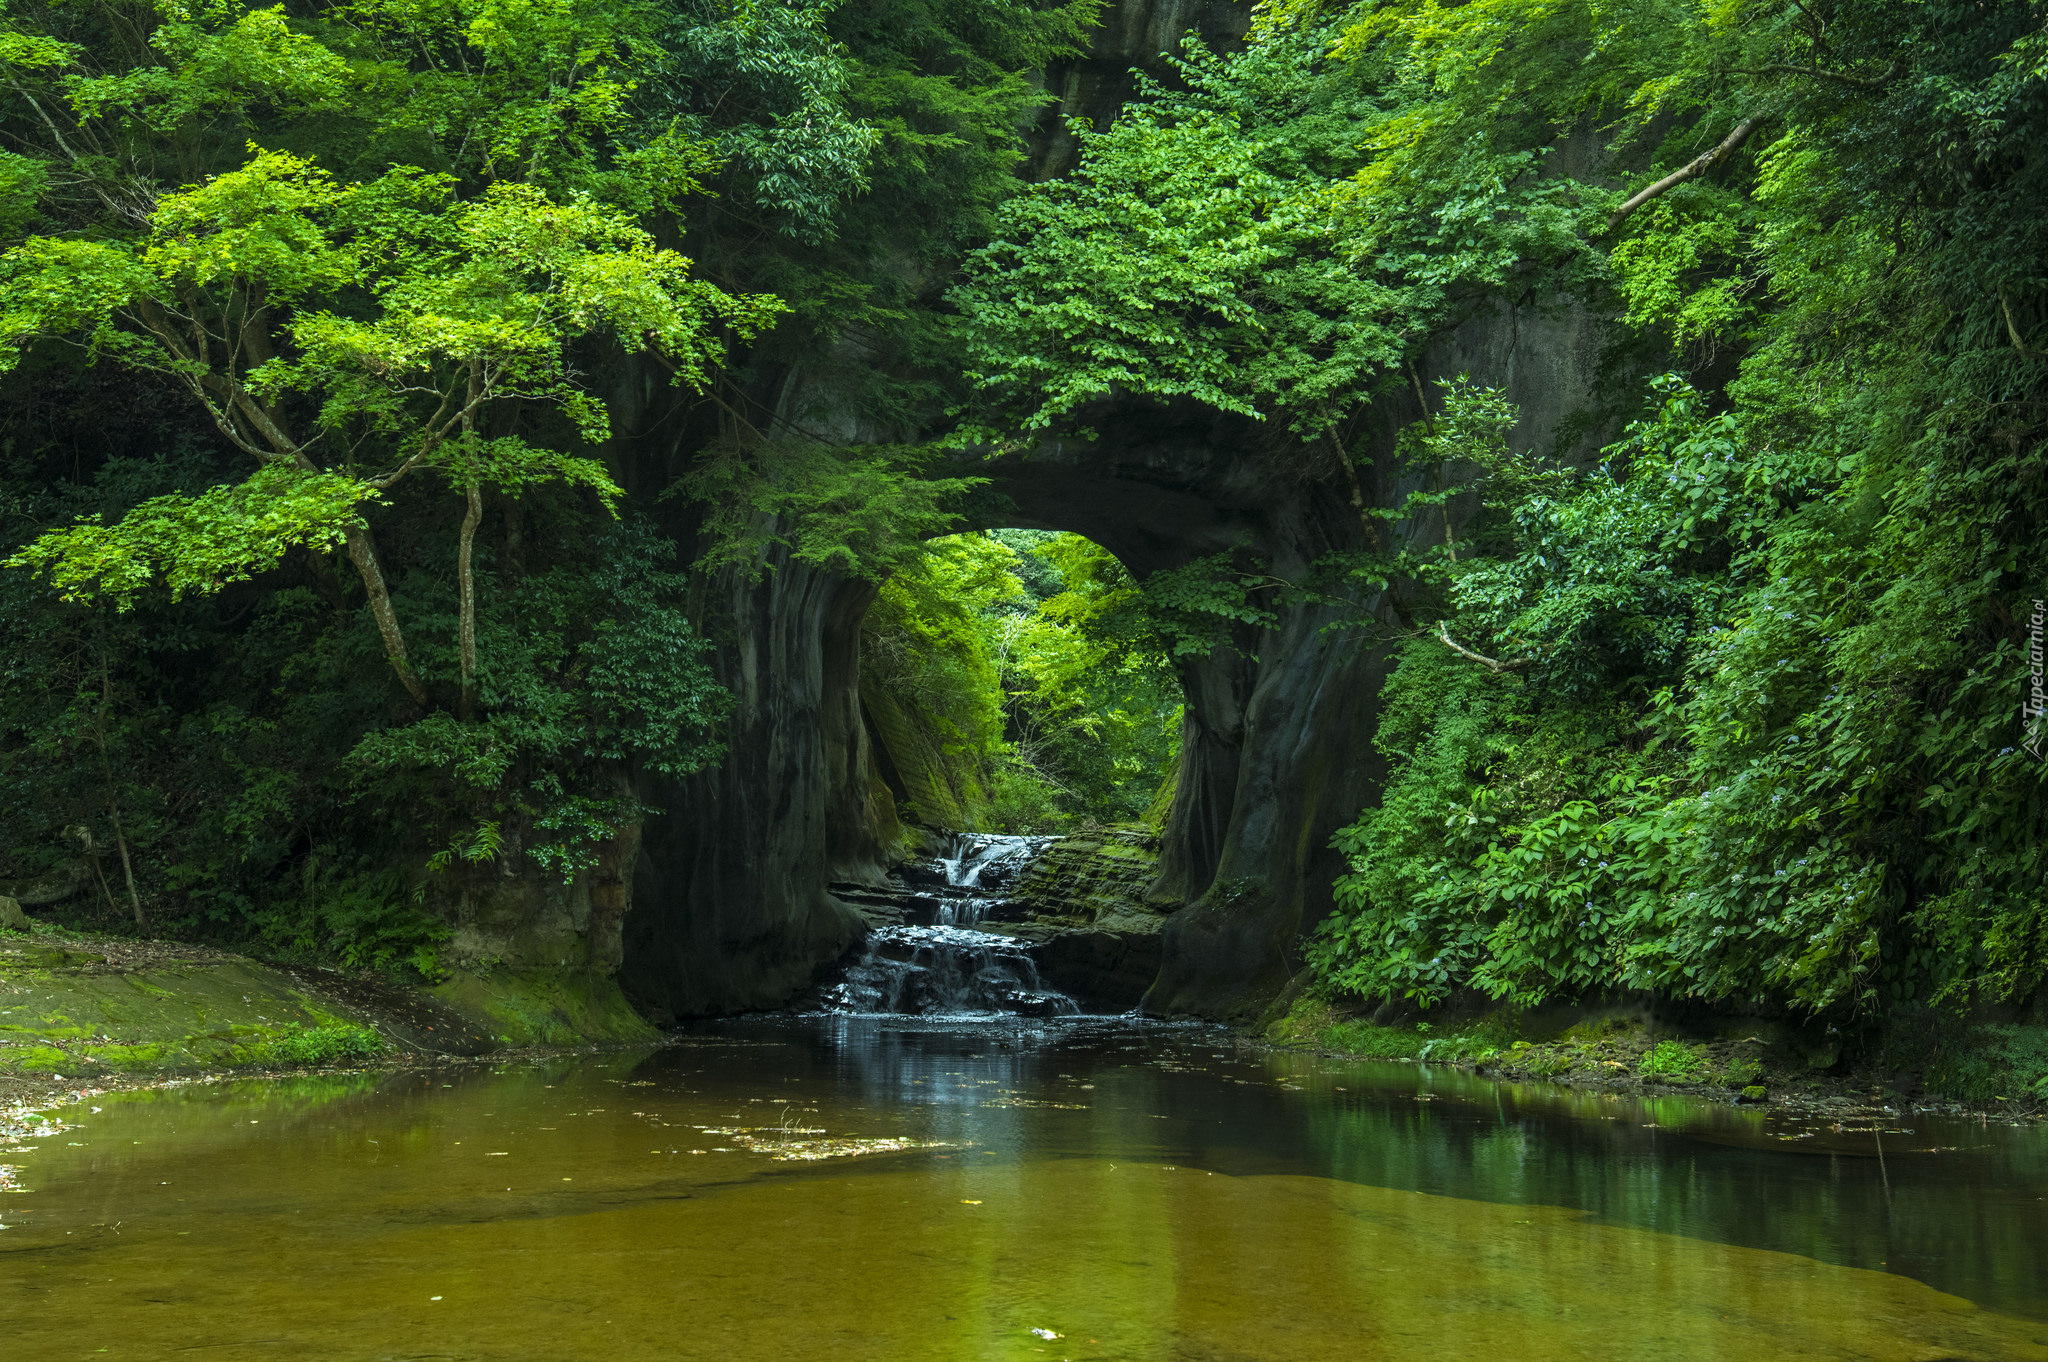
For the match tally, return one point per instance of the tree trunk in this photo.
(465, 581)
(99, 730)
(127, 869)
(362, 551)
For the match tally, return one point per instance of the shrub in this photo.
(328, 1044)
(1673, 1060)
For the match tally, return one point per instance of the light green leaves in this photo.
(195, 545)
(58, 286)
(513, 466)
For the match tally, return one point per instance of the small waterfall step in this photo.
(965, 883)
(922, 971)
(923, 954)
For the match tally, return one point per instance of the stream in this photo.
(898, 1188)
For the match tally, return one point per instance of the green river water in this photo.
(875, 1188)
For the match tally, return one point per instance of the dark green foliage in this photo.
(1756, 731)
(365, 921)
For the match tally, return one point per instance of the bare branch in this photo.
(1691, 170)
(2012, 329)
(1443, 633)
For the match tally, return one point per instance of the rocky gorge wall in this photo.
(730, 893)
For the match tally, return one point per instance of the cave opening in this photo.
(1012, 682)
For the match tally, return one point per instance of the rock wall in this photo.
(731, 911)
(1084, 904)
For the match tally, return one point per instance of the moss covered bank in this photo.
(88, 1007)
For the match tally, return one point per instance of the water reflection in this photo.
(1144, 1192)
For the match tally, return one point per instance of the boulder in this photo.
(12, 919)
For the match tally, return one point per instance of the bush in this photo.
(1673, 1060)
(328, 1044)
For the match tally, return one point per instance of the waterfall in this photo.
(982, 864)
(926, 970)
(928, 957)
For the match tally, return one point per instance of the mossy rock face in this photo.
(942, 785)
(171, 1017)
(1082, 904)
(547, 1007)
(1092, 876)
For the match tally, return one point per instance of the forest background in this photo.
(321, 317)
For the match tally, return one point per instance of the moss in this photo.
(185, 1014)
(139, 1058)
(1314, 1022)
(942, 787)
(1739, 1072)
(55, 1028)
(36, 1059)
(1156, 812)
(1092, 877)
(546, 1007)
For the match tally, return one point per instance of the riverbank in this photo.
(83, 1010)
(1994, 1072)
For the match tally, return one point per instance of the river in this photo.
(893, 1189)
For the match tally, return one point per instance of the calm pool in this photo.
(875, 1188)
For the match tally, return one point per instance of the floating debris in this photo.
(806, 1144)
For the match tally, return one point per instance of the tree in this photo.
(411, 316)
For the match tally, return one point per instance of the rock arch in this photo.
(732, 904)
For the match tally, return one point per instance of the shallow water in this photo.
(1140, 1192)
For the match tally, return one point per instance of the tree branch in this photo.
(2012, 329)
(362, 551)
(1822, 73)
(1691, 170)
(1443, 633)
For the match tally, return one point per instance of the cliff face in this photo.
(731, 908)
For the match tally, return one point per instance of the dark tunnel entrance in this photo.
(739, 897)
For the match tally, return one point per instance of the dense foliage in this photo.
(1029, 661)
(321, 320)
(321, 570)
(1736, 711)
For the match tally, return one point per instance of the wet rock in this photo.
(12, 919)
(1082, 905)
(1107, 965)
(938, 969)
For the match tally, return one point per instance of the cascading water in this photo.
(932, 961)
(925, 970)
(983, 863)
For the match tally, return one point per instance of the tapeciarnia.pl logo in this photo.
(2036, 701)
